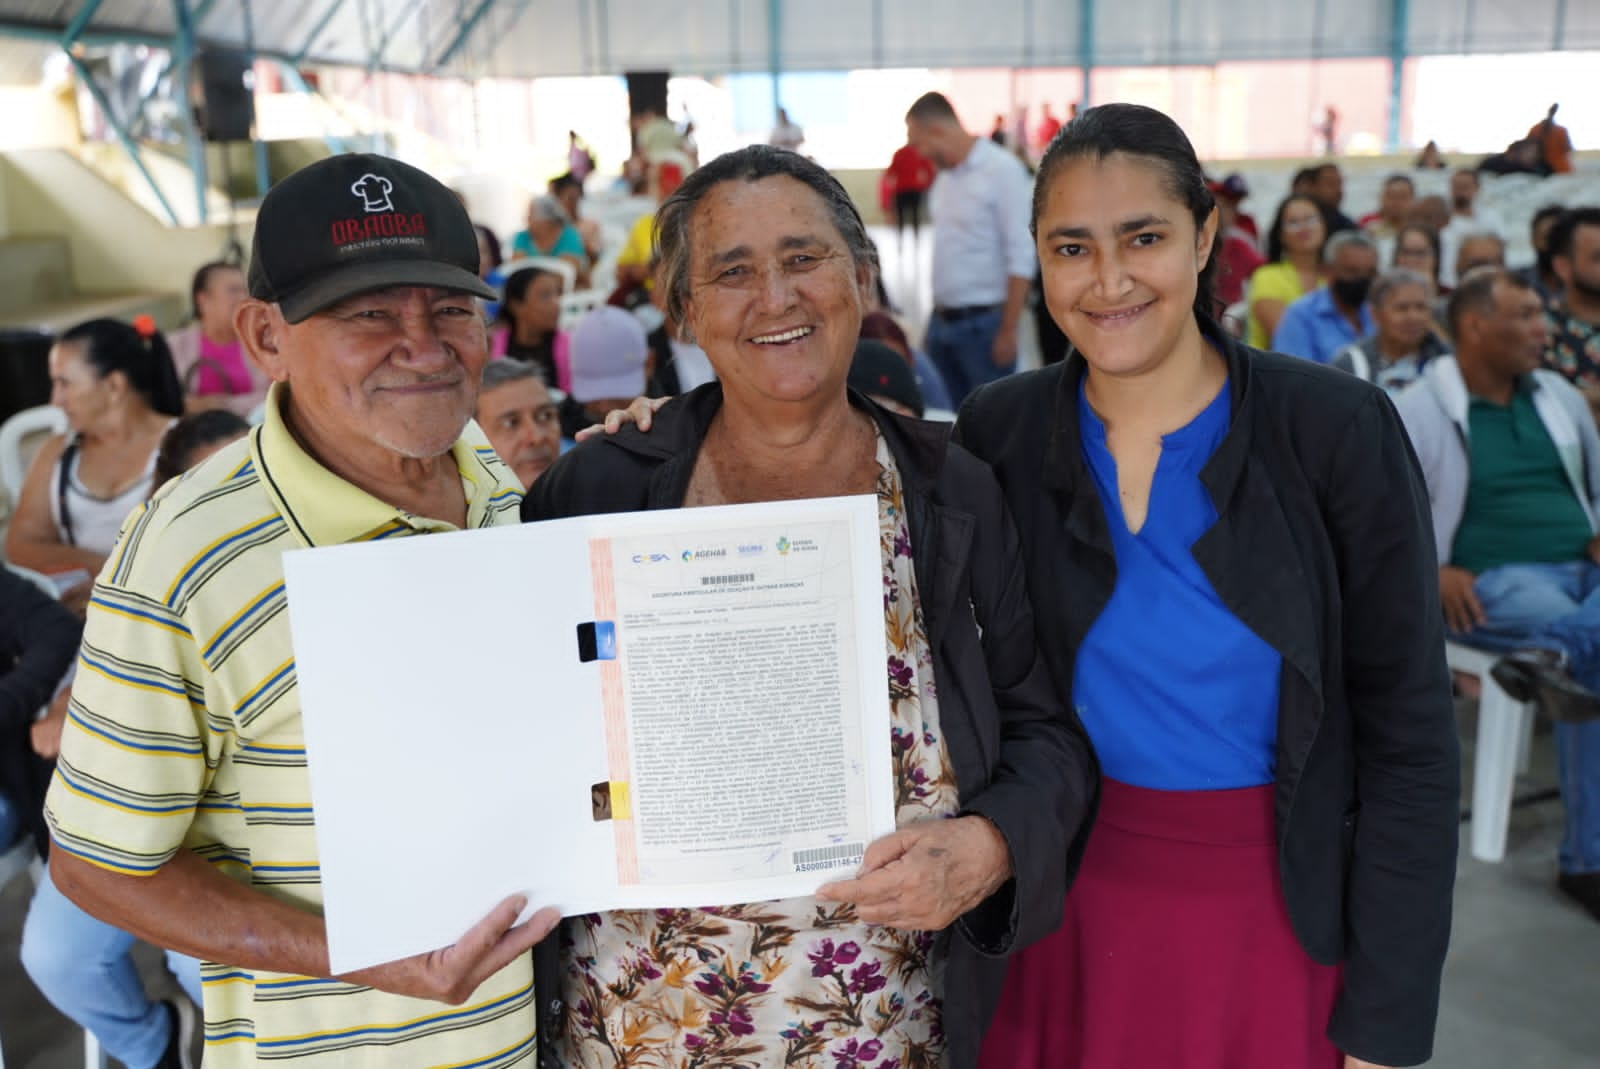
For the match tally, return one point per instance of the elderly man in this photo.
(1330, 317)
(1512, 463)
(983, 255)
(521, 420)
(181, 807)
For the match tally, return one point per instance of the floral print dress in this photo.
(794, 983)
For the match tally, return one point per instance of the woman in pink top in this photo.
(210, 361)
(526, 326)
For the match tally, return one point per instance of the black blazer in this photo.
(1323, 546)
(1020, 757)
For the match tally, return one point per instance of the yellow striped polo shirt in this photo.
(184, 731)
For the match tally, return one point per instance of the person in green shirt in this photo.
(1511, 457)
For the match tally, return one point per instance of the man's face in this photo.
(1431, 212)
(1479, 252)
(1327, 188)
(1513, 334)
(935, 141)
(1353, 268)
(1580, 272)
(523, 425)
(394, 370)
(1463, 190)
(1395, 203)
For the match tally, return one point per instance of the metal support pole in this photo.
(183, 65)
(1086, 53)
(316, 32)
(1399, 29)
(1558, 32)
(468, 24)
(292, 75)
(79, 23)
(128, 144)
(775, 51)
(258, 147)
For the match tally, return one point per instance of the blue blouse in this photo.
(1174, 691)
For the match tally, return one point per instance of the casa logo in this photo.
(650, 558)
(690, 555)
(751, 549)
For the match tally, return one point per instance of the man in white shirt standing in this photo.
(983, 255)
(1467, 219)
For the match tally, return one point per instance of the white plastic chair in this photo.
(19, 439)
(575, 305)
(564, 268)
(1505, 739)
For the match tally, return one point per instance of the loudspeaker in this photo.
(224, 94)
(647, 90)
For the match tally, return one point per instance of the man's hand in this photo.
(451, 975)
(923, 877)
(1593, 549)
(1004, 351)
(640, 412)
(1462, 610)
(45, 733)
(76, 598)
(1352, 1062)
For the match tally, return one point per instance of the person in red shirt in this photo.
(1237, 253)
(1049, 126)
(906, 182)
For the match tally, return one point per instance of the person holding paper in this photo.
(766, 262)
(181, 809)
(1233, 563)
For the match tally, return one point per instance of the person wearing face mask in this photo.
(1394, 354)
(1325, 320)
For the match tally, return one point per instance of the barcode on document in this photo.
(728, 580)
(828, 857)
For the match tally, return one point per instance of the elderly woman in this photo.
(765, 260)
(1403, 339)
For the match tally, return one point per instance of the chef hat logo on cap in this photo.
(355, 223)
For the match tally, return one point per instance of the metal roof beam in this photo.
(469, 24)
(79, 23)
(128, 144)
(299, 56)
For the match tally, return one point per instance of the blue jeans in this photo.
(1555, 606)
(963, 351)
(10, 821)
(85, 968)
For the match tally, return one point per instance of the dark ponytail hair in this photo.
(1135, 130)
(138, 351)
(515, 288)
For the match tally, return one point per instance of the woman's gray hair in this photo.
(748, 165)
(1392, 280)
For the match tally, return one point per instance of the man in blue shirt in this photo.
(1327, 319)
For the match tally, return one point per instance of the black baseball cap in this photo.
(349, 224)
(877, 370)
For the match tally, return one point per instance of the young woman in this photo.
(525, 329)
(1232, 567)
(118, 387)
(1293, 267)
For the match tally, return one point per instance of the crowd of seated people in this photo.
(1415, 298)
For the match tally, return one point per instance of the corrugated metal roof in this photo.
(528, 38)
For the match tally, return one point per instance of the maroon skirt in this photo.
(1175, 949)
